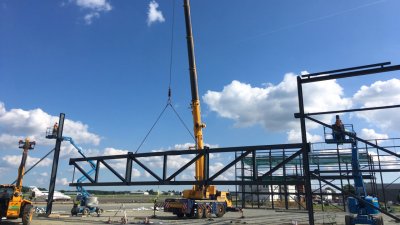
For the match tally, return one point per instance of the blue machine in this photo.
(359, 212)
(84, 203)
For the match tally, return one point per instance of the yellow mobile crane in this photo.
(12, 205)
(200, 201)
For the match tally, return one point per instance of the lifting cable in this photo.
(169, 102)
(27, 171)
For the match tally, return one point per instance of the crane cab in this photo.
(336, 136)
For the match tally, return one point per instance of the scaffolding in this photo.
(283, 189)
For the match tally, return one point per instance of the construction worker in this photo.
(55, 128)
(338, 129)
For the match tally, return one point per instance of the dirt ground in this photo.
(136, 213)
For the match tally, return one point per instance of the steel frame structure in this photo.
(299, 151)
(166, 178)
(331, 75)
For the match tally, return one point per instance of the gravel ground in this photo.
(136, 213)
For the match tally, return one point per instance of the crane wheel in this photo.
(208, 211)
(85, 211)
(220, 210)
(99, 211)
(200, 212)
(27, 214)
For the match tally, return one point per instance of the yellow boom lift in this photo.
(200, 201)
(12, 204)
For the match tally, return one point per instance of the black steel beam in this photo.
(97, 172)
(296, 115)
(305, 150)
(363, 171)
(128, 171)
(337, 177)
(189, 152)
(56, 158)
(165, 167)
(194, 182)
(351, 74)
(345, 69)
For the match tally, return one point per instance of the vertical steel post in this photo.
(284, 179)
(165, 168)
(55, 164)
(272, 186)
(297, 188)
(320, 188)
(341, 180)
(380, 172)
(306, 149)
(236, 186)
(128, 171)
(243, 186)
(96, 175)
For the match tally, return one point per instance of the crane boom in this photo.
(195, 104)
(26, 146)
(202, 200)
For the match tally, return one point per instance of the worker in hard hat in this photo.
(55, 129)
(338, 129)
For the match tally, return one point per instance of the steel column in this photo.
(56, 157)
(306, 149)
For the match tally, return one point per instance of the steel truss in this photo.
(169, 178)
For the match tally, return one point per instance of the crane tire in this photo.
(200, 212)
(208, 212)
(27, 214)
(220, 210)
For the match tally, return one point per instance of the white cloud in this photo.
(380, 93)
(294, 136)
(154, 15)
(370, 134)
(119, 164)
(62, 181)
(93, 8)
(273, 106)
(15, 160)
(97, 5)
(90, 17)
(116, 163)
(8, 141)
(15, 124)
(227, 175)
(44, 174)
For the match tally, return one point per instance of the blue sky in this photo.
(106, 65)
